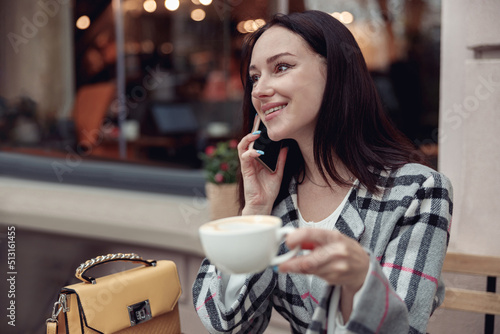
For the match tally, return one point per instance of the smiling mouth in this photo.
(270, 111)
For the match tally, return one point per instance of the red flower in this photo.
(219, 178)
(210, 150)
(224, 166)
(233, 143)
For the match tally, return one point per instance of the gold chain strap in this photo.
(107, 258)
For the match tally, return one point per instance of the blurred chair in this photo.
(486, 302)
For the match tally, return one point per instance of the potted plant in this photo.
(221, 166)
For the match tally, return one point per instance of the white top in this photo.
(233, 283)
(328, 224)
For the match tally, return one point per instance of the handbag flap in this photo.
(107, 305)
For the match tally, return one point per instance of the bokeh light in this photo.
(344, 17)
(247, 26)
(172, 4)
(83, 22)
(198, 14)
(149, 6)
(147, 46)
(166, 48)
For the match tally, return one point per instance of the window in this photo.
(58, 93)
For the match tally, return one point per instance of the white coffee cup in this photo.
(245, 244)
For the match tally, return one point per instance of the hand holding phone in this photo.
(270, 148)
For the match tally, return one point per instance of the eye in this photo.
(254, 78)
(282, 67)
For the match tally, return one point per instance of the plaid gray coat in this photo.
(405, 229)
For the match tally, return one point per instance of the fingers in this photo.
(256, 123)
(246, 142)
(322, 242)
(282, 160)
(335, 258)
(311, 238)
(313, 263)
(245, 146)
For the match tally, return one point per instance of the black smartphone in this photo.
(271, 148)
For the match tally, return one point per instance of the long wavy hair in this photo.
(352, 122)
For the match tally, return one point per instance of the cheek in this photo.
(311, 92)
(311, 97)
(318, 81)
(315, 93)
(320, 91)
(255, 104)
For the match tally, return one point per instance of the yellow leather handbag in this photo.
(139, 300)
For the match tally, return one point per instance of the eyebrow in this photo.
(272, 59)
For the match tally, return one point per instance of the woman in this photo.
(376, 222)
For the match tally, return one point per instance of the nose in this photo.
(262, 89)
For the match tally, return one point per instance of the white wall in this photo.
(470, 119)
(469, 144)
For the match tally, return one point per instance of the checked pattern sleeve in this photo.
(403, 286)
(249, 314)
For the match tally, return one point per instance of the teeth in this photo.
(274, 109)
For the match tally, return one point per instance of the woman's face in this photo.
(288, 84)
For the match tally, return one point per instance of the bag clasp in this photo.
(139, 312)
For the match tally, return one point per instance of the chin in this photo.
(274, 137)
(277, 132)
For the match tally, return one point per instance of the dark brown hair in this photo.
(351, 121)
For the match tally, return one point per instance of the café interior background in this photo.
(181, 89)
